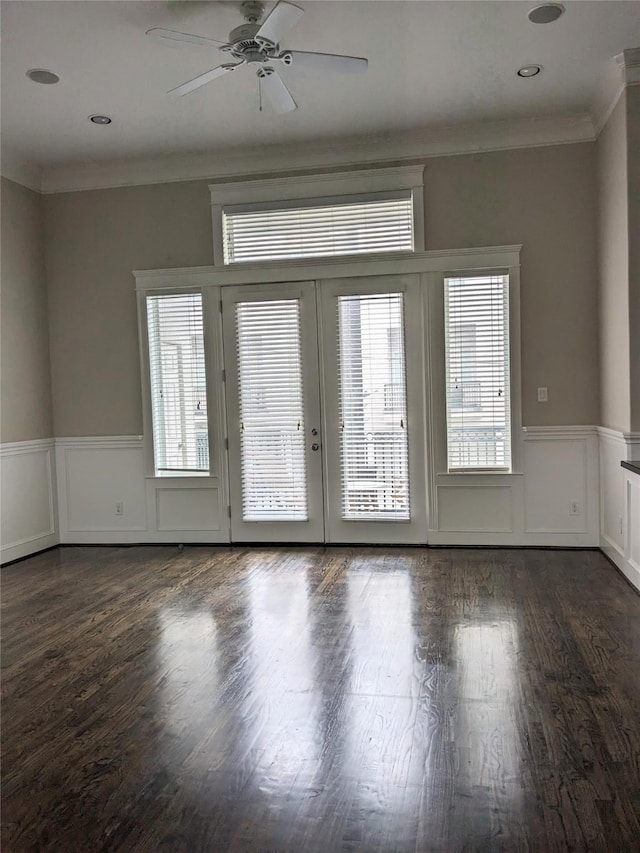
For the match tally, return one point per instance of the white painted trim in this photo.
(18, 548)
(517, 539)
(623, 446)
(617, 556)
(537, 433)
(28, 175)
(631, 440)
(417, 144)
(317, 185)
(100, 441)
(445, 260)
(629, 61)
(335, 185)
(623, 71)
(28, 547)
(609, 434)
(18, 448)
(602, 116)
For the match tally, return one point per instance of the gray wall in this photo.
(94, 240)
(613, 257)
(544, 198)
(26, 411)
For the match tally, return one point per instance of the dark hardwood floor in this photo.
(305, 699)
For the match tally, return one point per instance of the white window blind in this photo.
(477, 372)
(178, 382)
(373, 407)
(382, 222)
(272, 444)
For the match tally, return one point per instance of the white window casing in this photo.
(376, 211)
(434, 267)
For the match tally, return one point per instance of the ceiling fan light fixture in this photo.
(529, 70)
(41, 75)
(546, 13)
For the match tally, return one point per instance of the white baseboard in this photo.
(612, 551)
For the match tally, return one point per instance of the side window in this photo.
(477, 377)
(178, 383)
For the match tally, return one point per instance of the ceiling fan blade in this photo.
(172, 36)
(327, 62)
(278, 23)
(202, 79)
(275, 90)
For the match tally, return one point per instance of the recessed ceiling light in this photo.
(547, 13)
(100, 119)
(529, 70)
(41, 75)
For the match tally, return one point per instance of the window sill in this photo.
(179, 475)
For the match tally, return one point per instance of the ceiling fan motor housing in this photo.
(243, 44)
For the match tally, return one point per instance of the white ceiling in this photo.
(430, 64)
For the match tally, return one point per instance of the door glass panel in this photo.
(373, 407)
(272, 443)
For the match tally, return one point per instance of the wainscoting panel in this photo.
(632, 549)
(101, 489)
(475, 508)
(553, 501)
(188, 506)
(620, 501)
(556, 497)
(105, 497)
(612, 452)
(29, 515)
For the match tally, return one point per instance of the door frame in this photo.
(311, 530)
(385, 532)
(432, 265)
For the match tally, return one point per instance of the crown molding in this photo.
(622, 71)
(346, 152)
(26, 174)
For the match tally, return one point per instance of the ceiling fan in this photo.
(257, 44)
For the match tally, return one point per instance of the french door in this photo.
(273, 413)
(323, 411)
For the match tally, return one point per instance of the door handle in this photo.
(315, 446)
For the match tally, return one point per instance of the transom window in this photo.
(313, 228)
(371, 211)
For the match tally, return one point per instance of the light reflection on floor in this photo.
(295, 726)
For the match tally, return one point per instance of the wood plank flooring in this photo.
(311, 699)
